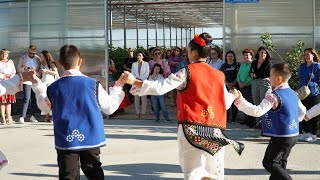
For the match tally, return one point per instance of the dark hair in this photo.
(218, 51)
(314, 52)
(158, 65)
(47, 56)
(69, 55)
(141, 52)
(203, 51)
(263, 48)
(166, 55)
(180, 51)
(248, 50)
(150, 50)
(33, 47)
(234, 56)
(283, 70)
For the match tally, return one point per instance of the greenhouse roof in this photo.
(177, 13)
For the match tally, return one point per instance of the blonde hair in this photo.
(2, 52)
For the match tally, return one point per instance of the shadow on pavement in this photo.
(142, 171)
(264, 172)
(140, 137)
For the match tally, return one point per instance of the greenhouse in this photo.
(146, 23)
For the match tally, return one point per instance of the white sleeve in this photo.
(43, 102)
(228, 97)
(314, 111)
(163, 86)
(11, 86)
(256, 111)
(110, 103)
(302, 110)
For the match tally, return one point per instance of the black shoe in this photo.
(157, 120)
(168, 121)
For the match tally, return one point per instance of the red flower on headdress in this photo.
(197, 39)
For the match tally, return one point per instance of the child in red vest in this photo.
(202, 102)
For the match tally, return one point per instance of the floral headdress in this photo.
(198, 40)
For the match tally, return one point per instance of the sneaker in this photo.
(168, 121)
(303, 137)
(157, 120)
(312, 138)
(33, 119)
(21, 120)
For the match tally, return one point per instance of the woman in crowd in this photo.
(7, 70)
(214, 59)
(158, 100)
(168, 55)
(140, 70)
(174, 61)
(201, 112)
(260, 73)
(49, 73)
(244, 81)
(157, 58)
(230, 69)
(309, 75)
(185, 61)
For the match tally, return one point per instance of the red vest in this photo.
(202, 101)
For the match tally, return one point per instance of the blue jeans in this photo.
(27, 94)
(156, 101)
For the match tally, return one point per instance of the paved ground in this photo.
(143, 150)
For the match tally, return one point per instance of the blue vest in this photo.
(283, 121)
(78, 122)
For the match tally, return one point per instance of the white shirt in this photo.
(176, 80)
(270, 101)
(109, 103)
(11, 86)
(32, 63)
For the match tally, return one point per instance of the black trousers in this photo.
(69, 164)
(311, 125)
(275, 158)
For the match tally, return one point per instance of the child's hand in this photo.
(128, 78)
(235, 93)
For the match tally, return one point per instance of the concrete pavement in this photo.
(144, 150)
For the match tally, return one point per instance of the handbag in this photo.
(304, 91)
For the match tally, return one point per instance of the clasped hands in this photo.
(236, 94)
(127, 78)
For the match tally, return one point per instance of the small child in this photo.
(282, 110)
(76, 101)
(157, 74)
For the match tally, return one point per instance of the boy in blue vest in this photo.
(282, 110)
(76, 102)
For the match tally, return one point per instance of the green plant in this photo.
(294, 60)
(267, 42)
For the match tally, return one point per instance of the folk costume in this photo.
(282, 110)
(76, 102)
(201, 112)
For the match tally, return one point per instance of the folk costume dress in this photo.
(201, 112)
(7, 70)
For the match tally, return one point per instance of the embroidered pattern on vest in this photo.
(208, 112)
(209, 139)
(293, 125)
(96, 94)
(75, 134)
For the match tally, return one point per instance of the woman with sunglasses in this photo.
(157, 58)
(201, 112)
